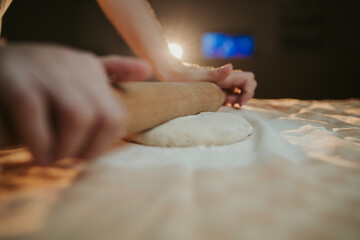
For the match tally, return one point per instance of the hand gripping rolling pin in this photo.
(149, 104)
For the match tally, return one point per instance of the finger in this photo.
(247, 92)
(122, 69)
(111, 126)
(244, 98)
(111, 118)
(232, 99)
(220, 74)
(29, 113)
(211, 74)
(108, 114)
(236, 79)
(245, 81)
(75, 118)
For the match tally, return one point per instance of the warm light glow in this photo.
(237, 105)
(176, 50)
(237, 90)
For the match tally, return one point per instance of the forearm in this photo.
(4, 4)
(136, 22)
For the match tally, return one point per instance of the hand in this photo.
(60, 101)
(240, 86)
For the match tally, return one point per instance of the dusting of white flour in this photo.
(264, 144)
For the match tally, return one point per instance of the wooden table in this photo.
(307, 187)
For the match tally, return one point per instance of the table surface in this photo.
(296, 177)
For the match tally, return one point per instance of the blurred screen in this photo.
(221, 45)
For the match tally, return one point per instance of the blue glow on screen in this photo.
(220, 45)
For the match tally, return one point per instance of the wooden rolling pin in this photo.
(150, 104)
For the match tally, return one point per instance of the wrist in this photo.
(167, 67)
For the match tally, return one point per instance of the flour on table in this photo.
(207, 128)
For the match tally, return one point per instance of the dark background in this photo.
(307, 49)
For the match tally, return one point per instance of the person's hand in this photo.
(59, 99)
(240, 86)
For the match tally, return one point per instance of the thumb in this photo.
(213, 74)
(121, 69)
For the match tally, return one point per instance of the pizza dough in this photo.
(207, 128)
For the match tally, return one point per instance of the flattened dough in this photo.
(207, 128)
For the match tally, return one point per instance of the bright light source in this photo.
(176, 50)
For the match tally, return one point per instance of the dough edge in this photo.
(194, 130)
